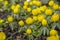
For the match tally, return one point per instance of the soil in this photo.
(3, 14)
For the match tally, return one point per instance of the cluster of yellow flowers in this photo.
(54, 5)
(4, 2)
(53, 35)
(15, 8)
(39, 13)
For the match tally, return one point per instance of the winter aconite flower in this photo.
(10, 19)
(53, 38)
(38, 11)
(44, 6)
(53, 33)
(5, 2)
(35, 18)
(13, 7)
(44, 22)
(21, 23)
(51, 3)
(59, 7)
(34, 11)
(2, 36)
(25, 7)
(55, 17)
(38, 3)
(1, 0)
(26, 3)
(48, 12)
(34, 2)
(15, 11)
(55, 6)
(28, 31)
(29, 9)
(40, 18)
(1, 20)
(29, 20)
(18, 6)
(30, 3)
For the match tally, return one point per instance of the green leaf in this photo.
(47, 31)
(13, 25)
(31, 37)
(58, 25)
(1, 29)
(53, 26)
(1, 25)
(44, 31)
(41, 30)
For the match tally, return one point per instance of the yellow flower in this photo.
(52, 38)
(13, 7)
(10, 19)
(25, 7)
(18, 6)
(48, 12)
(25, 3)
(44, 22)
(16, 10)
(53, 32)
(38, 3)
(31, 3)
(2, 36)
(59, 7)
(51, 3)
(21, 23)
(5, 2)
(28, 31)
(59, 16)
(42, 9)
(34, 12)
(34, 18)
(29, 9)
(1, 20)
(34, 2)
(38, 11)
(45, 7)
(40, 18)
(55, 6)
(29, 20)
(1, 0)
(55, 17)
